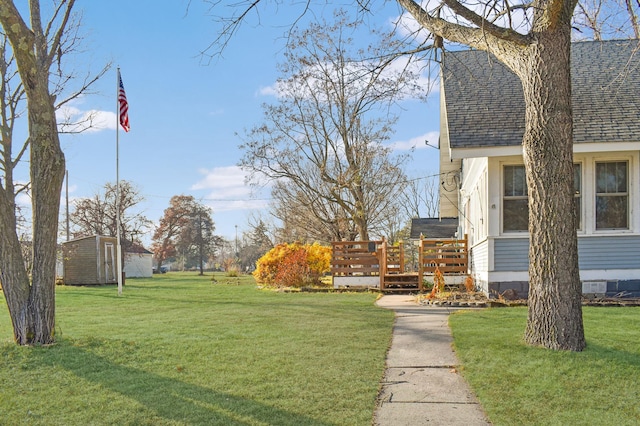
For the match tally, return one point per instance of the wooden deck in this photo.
(378, 265)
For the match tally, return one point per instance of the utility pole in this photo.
(237, 254)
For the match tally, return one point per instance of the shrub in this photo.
(469, 285)
(438, 283)
(293, 265)
(233, 271)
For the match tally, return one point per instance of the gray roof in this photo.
(485, 106)
(445, 227)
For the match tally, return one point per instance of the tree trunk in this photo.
(32, 307)
(47, 174)
(13, 275)
(555, 310)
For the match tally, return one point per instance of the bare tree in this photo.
(261, 231)
(305, 217)
(97, 215)
(536, 47)
(420, 198)
(323, 140)
(602, 19)
(35, 49)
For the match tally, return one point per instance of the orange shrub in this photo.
(293, 265)
(469, 285)
(438, 283)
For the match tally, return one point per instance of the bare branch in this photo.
(474, 37)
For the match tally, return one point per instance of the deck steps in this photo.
(401, 283)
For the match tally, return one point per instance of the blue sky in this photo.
(184, 113)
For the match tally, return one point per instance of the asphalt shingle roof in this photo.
(445, 227)
(485, 105)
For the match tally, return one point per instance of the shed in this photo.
(138, 262)
(90, 260)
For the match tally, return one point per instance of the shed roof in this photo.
(129, 248)
(445, 227)
(485, 102)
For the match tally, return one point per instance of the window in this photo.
(612, 195)
(515, 214)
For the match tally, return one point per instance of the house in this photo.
(92, 261)
(483, 184)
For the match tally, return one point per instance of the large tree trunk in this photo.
(32, 306)
(555, 310)
(47, 174)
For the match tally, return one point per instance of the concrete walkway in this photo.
(421, 385)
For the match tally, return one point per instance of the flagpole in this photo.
(118, 245)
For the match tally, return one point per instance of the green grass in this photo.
(178, 349)
(517, 384)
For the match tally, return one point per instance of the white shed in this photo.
(138, 262)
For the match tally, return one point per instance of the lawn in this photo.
(179, 349)
(517, 384)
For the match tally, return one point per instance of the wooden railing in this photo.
(355, 258)
(383, 261)
(451, 256)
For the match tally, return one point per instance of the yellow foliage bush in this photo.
(293, 265)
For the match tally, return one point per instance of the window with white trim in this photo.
(515, 207)
(612, 195)
(515, 204)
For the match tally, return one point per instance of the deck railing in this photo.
(379, 259)
(355, 258)
(450, 256)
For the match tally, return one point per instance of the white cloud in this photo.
(227, 190)
(72, 119)
(418, 142)
(270, 90)
(427, 79)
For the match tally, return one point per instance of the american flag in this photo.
(123, 105)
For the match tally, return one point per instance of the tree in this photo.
(185, 227)
(420, 198)
(602, 19)
(196, 239)
(254, 243)
(35, 48)
(175, 218)
(323, 139)
(98, 215)
(539, 56)
(305, 217)
(533, 39)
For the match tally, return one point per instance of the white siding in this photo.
(138, 265)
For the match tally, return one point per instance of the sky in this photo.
(185, 110)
